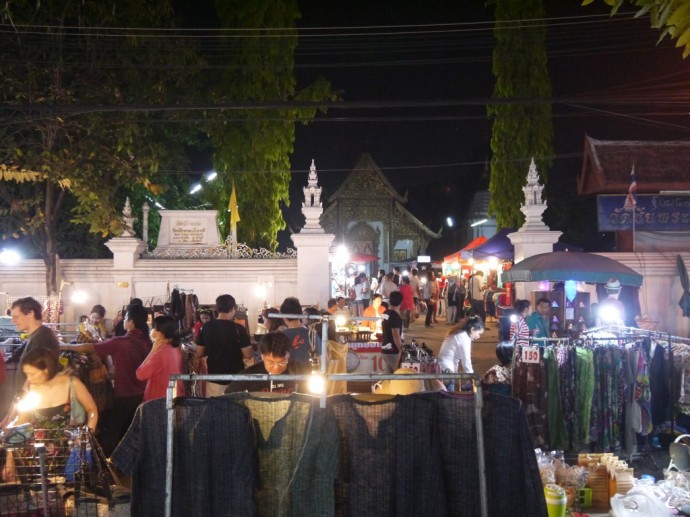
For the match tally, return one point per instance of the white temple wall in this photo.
(250, 281)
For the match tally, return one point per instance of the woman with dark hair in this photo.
(41, 367)
(203, 316)
(457, 347)
(163, 361)
(47, 405)
(273, 324)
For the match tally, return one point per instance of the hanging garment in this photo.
(609, 398)
(299, 453)
(529, 386)
(512, 477)
(215, 465)
(558, 437)
(584, 367)
(660, 377)
(390, 457)
(566, 371)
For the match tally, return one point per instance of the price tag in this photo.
(530, 354)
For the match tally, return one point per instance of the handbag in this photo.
(77, 415)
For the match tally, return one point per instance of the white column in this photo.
(528, 244)
(313, 269)
(126, 251)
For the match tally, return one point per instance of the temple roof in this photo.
(366, 172)
(659, 165)
(366, 181)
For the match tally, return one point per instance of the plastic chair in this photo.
(680, 454)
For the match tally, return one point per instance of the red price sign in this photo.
(530, 354)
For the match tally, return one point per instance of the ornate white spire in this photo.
(534, 205)
(128, 220)
(312, 207)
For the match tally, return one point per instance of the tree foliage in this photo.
(522, 125)
(672, 17)
(252, 147)
(70, 75)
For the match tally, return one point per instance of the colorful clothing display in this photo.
(599, 394)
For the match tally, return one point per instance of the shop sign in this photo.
(652, 213)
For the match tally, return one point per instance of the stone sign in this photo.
(188, 229)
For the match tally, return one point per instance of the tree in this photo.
(522, 126)
(252, 147)
(69, 78)
(672, 17)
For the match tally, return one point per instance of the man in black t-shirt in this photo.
(275, 360)
(392, 324)
(224, 343)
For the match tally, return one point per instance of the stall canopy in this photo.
(362, 257)
(458, 255)
(499, 246)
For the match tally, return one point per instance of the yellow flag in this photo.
(234, 212)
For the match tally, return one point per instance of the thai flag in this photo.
(631, 199)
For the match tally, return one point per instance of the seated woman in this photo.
(51, 395)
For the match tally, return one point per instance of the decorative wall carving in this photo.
(221, 251)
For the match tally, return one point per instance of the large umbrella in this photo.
(560, 266)
(684, 301)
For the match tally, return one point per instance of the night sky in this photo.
(609, 77)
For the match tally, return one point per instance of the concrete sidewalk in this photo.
(483, 350)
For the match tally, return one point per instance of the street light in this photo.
(9, 257)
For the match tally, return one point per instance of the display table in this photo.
(364, 357)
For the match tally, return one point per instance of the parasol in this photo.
(362, 257)
(560, 266)
(684, 301)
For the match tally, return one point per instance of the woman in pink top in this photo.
(407, 304)
(164, 359)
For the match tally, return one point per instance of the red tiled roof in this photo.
(659, 166)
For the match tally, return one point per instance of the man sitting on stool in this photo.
(274, 348)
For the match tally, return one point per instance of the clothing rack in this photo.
(619, 337)
(476, 379)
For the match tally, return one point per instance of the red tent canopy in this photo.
(362, 257)
(457, 256)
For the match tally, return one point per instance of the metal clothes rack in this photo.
(619, 335)
(479, 403)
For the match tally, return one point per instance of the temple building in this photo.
(368, 215)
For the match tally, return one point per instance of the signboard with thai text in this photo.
(652, 213)
(187, 231)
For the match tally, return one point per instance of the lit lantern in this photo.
(570, 290)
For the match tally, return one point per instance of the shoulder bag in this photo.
(77, 415)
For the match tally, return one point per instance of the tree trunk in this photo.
(50, 257)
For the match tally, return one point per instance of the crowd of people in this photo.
(131, 359)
